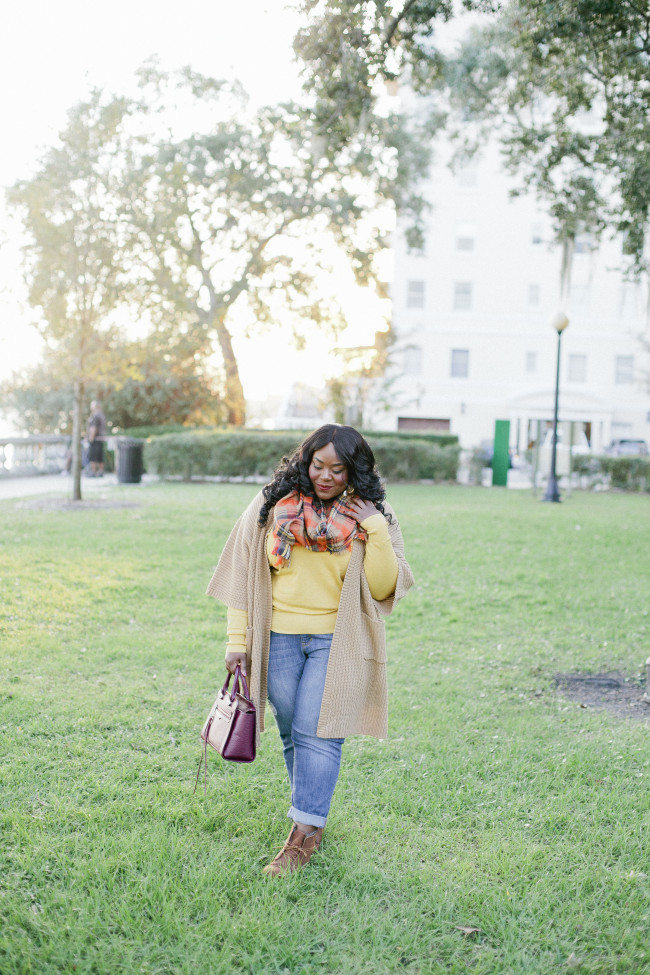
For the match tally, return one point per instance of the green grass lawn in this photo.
(496, 804)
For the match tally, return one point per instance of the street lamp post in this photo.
(552, 491)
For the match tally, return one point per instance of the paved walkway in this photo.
(27, 487)
(519, 478)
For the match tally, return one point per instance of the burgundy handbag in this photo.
(230, 725)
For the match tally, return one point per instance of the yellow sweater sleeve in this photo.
(380, 561)
(237, 621)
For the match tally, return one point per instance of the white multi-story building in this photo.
(473, 317)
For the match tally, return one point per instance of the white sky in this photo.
(51, 54)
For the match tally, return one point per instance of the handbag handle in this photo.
(236, 689)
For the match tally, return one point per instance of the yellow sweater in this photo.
(306, 593)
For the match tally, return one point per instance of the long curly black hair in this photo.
(353, 450)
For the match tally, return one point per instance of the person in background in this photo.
(309, 571)
(96, 432)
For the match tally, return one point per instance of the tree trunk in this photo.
(234, 392)
(76, 440)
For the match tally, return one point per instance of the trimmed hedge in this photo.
(629, 473)
(625, 473)
(142, 433)
(441, 439)
(214, 454)
(256, 454)
(409, 460)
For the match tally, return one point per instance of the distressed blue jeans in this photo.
(296, 680)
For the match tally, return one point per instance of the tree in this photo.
(72, 262)
(567, 89)
(565, 86)
(232, 220)
(149, 382)
(362, 389)
(38, 400)
(205, 227)
(353, 55)
(163, 383)
(352, 49)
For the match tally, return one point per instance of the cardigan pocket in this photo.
(373, 634)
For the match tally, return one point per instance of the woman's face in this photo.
(328, 475)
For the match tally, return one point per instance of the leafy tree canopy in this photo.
(564, 85)
(72, 258)
(159, 384)
(567, 88)
(144, 383)
(353, 53)
(231, 219)
(199, 216)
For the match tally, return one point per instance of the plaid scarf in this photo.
(301, 519)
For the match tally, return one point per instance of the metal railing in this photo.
(23, 456)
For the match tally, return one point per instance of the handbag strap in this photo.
(203, 761)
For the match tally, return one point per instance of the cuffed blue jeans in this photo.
(295, 682)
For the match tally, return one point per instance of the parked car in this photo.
(563, 452)
(627, 447)
(485, 452)
(580, 444)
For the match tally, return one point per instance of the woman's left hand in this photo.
(360, 509)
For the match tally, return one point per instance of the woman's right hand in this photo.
(235, 658)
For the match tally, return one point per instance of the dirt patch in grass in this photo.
(613, 691)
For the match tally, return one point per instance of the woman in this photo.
(307, 573)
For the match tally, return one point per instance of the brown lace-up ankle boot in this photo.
(296, 852)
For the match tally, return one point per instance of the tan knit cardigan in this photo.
(355, 699)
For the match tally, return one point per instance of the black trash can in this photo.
(129, 460)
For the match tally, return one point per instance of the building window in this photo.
(467, 174)
(624, 369)
(465, 237)
(627, 244)
(531, 362)
(415, 294)
(412, 360)
(415, 243)
(536, 234)
(580, 299)
(628, 295)
(460, 363)
(534, 295)
(416, 251)
(583, 244)
(463, 295)
(577, 368)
